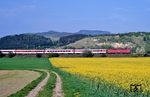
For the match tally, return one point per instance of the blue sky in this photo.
(24, 16)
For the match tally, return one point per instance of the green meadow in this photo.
(24, 63)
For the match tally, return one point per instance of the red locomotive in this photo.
(119, 51)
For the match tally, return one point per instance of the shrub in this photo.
(87, 54)
(38, 55)
(103, 55)
(11, 55)
(53, 55)
(146, 55)
(1, 55)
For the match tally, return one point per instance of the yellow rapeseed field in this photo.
(119, 71)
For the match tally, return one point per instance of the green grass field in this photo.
(24, 63)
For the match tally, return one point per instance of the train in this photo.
(67, 51)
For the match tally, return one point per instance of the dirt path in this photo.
(39, 87)
(57, 91)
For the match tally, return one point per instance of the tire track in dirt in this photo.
(58, 91)
(39, 87)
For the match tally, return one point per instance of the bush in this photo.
(146, 55)
(87, 54)
(11, 55)
(103, 55)
(38, 55)
(1, 55)
(53, 55)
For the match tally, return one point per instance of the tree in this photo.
(68, 47)
(140, 50)
(38, 55)
(11, 55)
(87, 54)
(103, 55)
(1, 55)
(53, 55)
(70, 39)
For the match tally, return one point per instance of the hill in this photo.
(139, 42)
(34, 41)
(70, 39)
(25, 41)
(93, 32)
(54, 35)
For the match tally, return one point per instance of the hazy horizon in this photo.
(31, 16)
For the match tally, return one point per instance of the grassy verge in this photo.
(72, 85)
(23, 92)
(48, 89)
